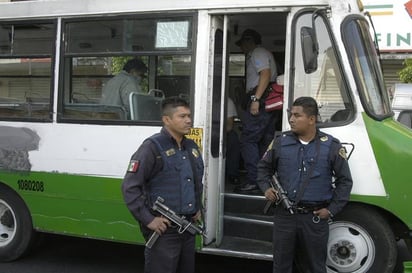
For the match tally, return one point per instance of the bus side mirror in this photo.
(309, 49)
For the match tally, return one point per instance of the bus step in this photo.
(253, 228)
(242, 248)
(244, 217)
(245, 204)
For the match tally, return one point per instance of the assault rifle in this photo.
(281, 196)
(181, 221)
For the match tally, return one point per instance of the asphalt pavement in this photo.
(63, 254)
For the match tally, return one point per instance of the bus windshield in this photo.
(366, 68)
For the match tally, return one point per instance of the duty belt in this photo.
(305, 208)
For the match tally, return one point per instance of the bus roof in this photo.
(49, 8)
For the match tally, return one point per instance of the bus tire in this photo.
(361, 241)
(16, 228)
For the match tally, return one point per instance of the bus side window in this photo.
(97, 54)
(26, 59)
(173, 75)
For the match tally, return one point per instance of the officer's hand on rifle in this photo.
(159, 224)
(271, 194)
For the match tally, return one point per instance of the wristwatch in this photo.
(330, 213)
(254, 98)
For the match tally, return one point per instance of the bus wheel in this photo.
(16, 229)
(361, 241)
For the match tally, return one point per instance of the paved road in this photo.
(60, 254)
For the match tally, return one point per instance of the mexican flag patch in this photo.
(133, 166)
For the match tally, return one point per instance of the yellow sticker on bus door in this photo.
(196, 135)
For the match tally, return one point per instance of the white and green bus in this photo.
(63, 154)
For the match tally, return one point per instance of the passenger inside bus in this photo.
(118, 89)
(258, 126)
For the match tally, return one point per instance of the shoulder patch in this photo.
(195, 153)
(342, 153)
(133, 166)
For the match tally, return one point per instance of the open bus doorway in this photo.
(243, 228)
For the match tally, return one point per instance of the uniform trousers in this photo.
(297, 233)
(257, 133)
(171, 253)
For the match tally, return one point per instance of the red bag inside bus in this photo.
(274, 99)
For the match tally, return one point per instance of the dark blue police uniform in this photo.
(322, 166)
(160, 168)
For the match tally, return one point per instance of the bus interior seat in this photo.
(145, 107)
(184, 96)
(94, 111)
(78, 97)
(405, 117)
(25, 110)
(156, 93)
(341, 115)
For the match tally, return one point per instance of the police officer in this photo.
(312, 168)
(168, 165)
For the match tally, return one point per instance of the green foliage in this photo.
(405, 75)
(118, 63)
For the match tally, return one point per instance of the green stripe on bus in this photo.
(76, 205)
(392, 146)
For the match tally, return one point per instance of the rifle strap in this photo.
(305, 183)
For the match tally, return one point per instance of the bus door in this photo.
(216, 148)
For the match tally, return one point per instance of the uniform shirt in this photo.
(267, 166)
(134, 187)
(257, 60)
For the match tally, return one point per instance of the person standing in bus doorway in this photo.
(312, 168)
(168, 165)
(258, 126)
(117, 90)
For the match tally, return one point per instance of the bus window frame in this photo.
(49, 117)
(155, 53)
